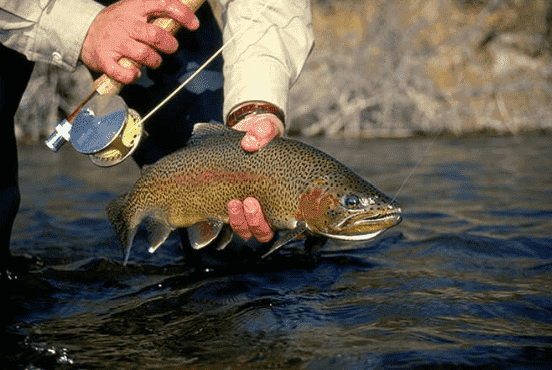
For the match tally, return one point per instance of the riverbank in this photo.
(390, 69)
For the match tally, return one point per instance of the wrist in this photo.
(252, 109)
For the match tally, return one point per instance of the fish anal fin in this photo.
(204, 232)
(158, 232)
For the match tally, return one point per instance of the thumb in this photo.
(261, 131)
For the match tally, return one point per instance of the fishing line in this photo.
(204, 65)
(418, 163)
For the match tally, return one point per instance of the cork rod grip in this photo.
(106, 85)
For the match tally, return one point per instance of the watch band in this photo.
(258, 107)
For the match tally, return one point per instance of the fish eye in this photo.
(351, 201)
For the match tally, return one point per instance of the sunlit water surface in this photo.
(465, 281)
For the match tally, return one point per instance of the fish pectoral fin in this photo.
(202, 233)
(158, 232)
(288, 236)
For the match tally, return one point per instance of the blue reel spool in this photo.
(105, 129)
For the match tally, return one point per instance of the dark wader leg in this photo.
(14, 76)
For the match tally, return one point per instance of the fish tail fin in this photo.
(125, 226)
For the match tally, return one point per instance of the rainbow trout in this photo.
(302, 191)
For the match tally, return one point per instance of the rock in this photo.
(427, 65)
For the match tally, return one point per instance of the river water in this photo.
(465, 281)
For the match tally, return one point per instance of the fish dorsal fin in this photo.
(158, 232)
(288, 236)
(204, 232)
(205, 130)
(145, 168)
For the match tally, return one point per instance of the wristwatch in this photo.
(243, 110)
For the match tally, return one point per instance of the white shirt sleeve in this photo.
(263, 62)
(50, 31)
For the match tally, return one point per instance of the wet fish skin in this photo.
(302, 190)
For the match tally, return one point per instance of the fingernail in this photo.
(252, 140)
(248, 206)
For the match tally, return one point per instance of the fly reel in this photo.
(105, 129)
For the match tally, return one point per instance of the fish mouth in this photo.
(375, 225)
(354, 237)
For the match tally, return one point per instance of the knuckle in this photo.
(139, 54)
(243, 232)
(235, 221)
(147, 56)
(155, 60)
(265, 238)
(153, 33)
(124, 76)
(255, 222)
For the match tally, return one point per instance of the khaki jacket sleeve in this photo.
(50, 31)
(263, 62)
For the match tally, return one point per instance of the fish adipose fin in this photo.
(288, 236)
(158, 232)
(205, 232)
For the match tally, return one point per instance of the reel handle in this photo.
(106, 85)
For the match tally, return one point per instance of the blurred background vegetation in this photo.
(394, 68)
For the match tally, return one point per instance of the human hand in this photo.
(247, 220)
(122, 30)
(260, 130)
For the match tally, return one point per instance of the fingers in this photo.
(155, 37)
(247, 220)
(260, 130)
(137, 49)
(107, 63)
(256, 220)
(238, 221)
(122, 30)
(141, 54)
(174, 9)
